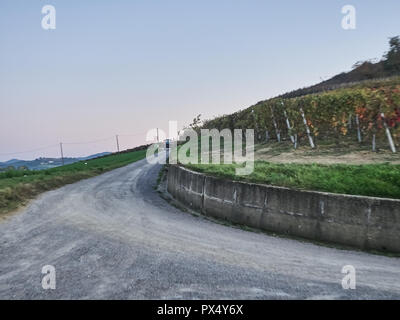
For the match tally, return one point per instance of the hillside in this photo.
(335, 141)
(350, 107)
(330, 116)
(340, 136)
(362, 71)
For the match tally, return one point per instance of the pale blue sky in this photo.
(124, 67)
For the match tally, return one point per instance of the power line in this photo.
(90, 142)
(132, 135)
(32, 150)
(72, 143)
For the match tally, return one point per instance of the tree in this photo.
(196, 121)
(195, 125)
(392, 62)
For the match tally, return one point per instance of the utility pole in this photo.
(116, 137)
(158, 140)
(62, 154)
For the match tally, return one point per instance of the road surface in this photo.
(113, 237)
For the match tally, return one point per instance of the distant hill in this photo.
(97, 155)
(46, 163)
(362, 71)
(10, 162)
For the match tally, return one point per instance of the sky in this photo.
(125, 67)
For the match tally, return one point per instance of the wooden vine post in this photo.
(358, 129)
(278, 134)
(373, 142)
(255, 123)
(388, 134)
(310, 139)
(292, 137)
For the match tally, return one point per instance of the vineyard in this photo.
(369, 112)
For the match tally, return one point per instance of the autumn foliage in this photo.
(328, 114)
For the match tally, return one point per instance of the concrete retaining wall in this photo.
(363, 222)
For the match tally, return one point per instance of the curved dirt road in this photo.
(112, 237)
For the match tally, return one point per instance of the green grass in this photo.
(17, 187)
(376, 180)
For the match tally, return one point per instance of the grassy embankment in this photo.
(317, 169)
(17, 187)
(376, 180)
(353, 177)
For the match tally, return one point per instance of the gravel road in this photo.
(114, 237)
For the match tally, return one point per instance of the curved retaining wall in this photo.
(363, 222)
